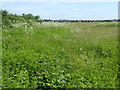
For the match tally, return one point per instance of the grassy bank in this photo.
(52, 55)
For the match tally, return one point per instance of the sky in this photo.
(60, 0)
(65, 10)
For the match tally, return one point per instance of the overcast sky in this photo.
(65, 10)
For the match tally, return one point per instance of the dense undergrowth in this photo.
(60, 55)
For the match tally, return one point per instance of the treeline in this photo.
(8, 19)
(49, 20)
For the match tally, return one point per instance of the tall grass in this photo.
(65, 55)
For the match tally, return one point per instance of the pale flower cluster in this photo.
(107, 24)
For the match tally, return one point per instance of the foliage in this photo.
(60, 55)
(9, 19)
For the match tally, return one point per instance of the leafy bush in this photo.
(9, 19)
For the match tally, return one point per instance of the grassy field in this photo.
(65, 55)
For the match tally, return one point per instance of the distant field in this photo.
(65, 55)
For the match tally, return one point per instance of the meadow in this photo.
(60, 55)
